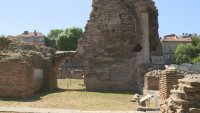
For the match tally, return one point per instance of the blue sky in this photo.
(17, 16)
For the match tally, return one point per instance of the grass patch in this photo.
(75, 98)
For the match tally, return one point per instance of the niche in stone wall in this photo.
(137, 48)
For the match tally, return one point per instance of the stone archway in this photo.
(61, 56)
(50, 73)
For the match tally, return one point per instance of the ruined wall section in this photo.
(185, 97)
(114, 44)
(151, 80)
(168, 79)
(155, 45)
(18, 62)
(16, 79)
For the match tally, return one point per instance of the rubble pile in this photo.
(25, 53)
(185, 97)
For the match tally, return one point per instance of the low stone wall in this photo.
(16, 79)
(151, 80)
(61, 74)
(78, 74)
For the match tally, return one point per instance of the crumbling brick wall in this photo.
(185, 96)
(168, 78)
(16, 79)
(17, 63)
(116, 40)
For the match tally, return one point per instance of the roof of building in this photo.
(29, 34)
(174, 38)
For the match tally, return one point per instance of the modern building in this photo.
(36, 38)
(170, 43)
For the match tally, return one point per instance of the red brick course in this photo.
(16, 79)
(168, 78)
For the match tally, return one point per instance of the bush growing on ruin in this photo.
(68, 40)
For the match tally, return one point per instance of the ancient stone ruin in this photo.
(173, 90)
(120, 35)
(185, 97)
(115, 49)
(25, 68)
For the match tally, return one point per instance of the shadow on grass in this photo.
(131, 92)
(38, 96)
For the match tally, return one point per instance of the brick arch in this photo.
(131, 8)
(50, 79)
(61, 56)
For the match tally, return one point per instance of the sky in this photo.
(17, 16)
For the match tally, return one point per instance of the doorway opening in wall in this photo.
(71, 75)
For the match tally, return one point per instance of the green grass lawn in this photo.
(76, 98)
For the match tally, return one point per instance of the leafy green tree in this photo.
(2, 36)
(68, 40)
(196, 59)
(50, 40)
(54, 33)
(195, 41)
(50, 43)
(185, 54)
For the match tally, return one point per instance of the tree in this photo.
(50, 43)
(54, 33)
(2, 36)
(185, 54)
(68, 40)
(195, 41)
(50, 40)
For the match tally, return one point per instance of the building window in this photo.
(170, 58)
(27, 39)
(41, 39)
(170, 48)
(24, 39)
